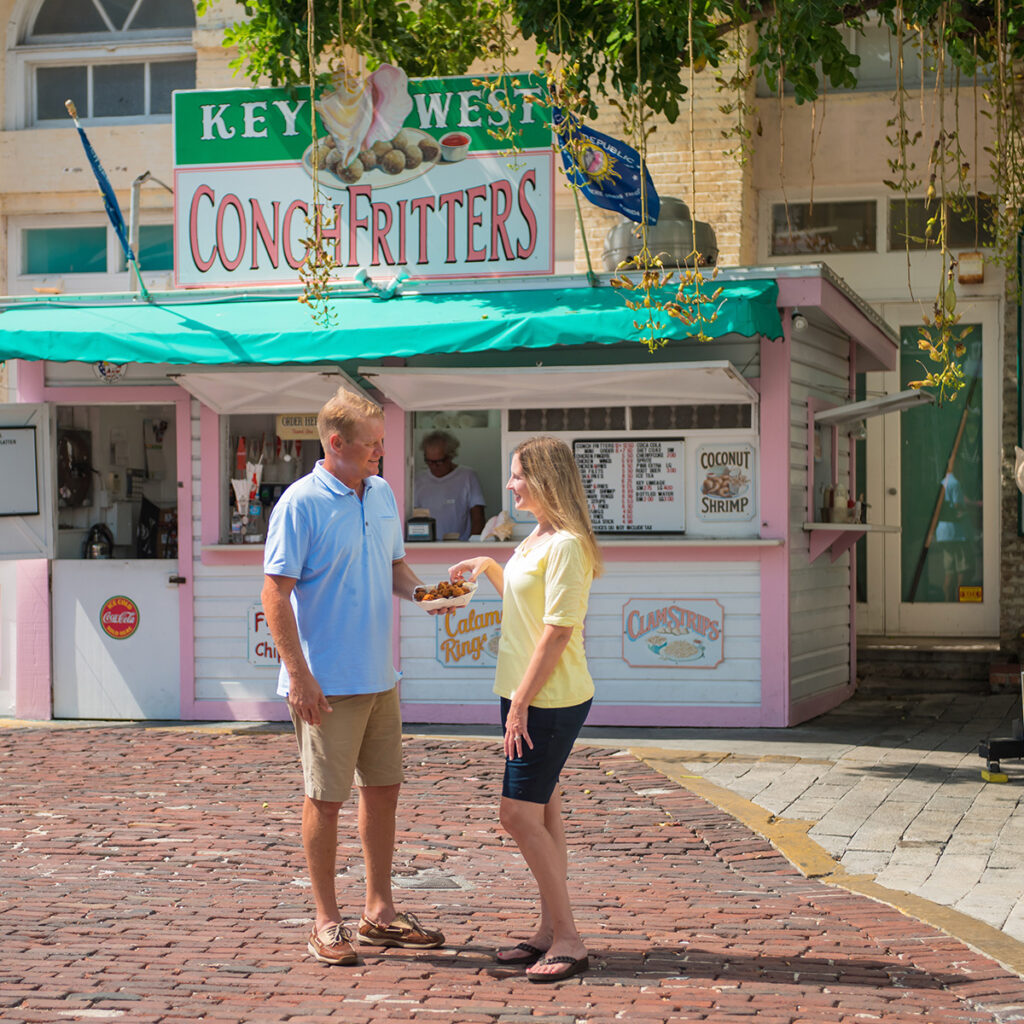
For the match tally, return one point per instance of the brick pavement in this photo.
(155, 875)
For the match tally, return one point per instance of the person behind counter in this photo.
(452, 493)
(334, 559)
(544, 685)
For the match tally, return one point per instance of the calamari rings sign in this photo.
(412, 173)
(119, 617)
(468, 637)
(673, 632)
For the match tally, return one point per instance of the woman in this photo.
(544, 685)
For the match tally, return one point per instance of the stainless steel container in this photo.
(671, 239)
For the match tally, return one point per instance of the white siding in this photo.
(735, 682)
(222, 595)
(819, 591)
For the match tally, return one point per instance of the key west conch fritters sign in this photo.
(413, 174)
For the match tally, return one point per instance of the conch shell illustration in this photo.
(360, 112)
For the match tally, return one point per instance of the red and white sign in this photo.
(261, 644)
(119, 617)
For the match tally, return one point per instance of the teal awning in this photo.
(204, 328)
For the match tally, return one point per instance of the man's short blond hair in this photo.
(343, 413)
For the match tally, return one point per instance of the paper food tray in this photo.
(450, 602)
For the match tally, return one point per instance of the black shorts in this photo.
(553, 731)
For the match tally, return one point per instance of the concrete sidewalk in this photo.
(155, 875)
(890, 790)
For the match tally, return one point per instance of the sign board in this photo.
(300, 426)
(633, 486)
(119, 617)
(20, 493)
(726, 482)
(415, 174)
(468, 637)
(261, 644)
(674, 632)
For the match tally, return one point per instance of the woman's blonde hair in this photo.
(342, 413)
(555, 484)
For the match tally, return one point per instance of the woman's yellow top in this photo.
(548, 584)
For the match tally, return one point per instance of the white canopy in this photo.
(265, 389)
(538, 387)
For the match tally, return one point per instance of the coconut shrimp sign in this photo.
(411, 175)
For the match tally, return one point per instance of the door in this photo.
(933, 471)
(115, 617)
(116, 644)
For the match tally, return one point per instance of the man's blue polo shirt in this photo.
(339, 550)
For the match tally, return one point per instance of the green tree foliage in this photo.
(804, 40)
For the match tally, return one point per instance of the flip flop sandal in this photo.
(572, 966)
(524, 953)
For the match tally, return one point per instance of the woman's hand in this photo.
(516, 731)
(472, 566)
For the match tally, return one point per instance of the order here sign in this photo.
(416, 174)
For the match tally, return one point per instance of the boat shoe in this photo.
(332, 946)
(404, 931)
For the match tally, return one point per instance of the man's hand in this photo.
(306, 698)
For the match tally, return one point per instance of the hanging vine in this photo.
(635, 50)
(318, 266)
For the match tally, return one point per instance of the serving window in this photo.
(262, 436)
(664, 448)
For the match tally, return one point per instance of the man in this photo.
(334, 558)
(452, 493)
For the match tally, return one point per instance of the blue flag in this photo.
(604, 169)
(106, 190)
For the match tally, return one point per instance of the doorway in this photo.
(933, 471)
(116, 642)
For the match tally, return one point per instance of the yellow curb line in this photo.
(790, 838)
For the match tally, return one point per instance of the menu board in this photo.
(633, 486)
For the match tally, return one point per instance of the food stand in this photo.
(727, 600)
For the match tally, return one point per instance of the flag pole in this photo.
(109, 200)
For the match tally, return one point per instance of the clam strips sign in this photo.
(410, 176)
(673, 632)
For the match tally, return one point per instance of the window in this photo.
(968, 227)
(65, 250)
(156, 248)
(799, 228)
(79, 254)
(117, 59)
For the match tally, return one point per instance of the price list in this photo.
(633, 486)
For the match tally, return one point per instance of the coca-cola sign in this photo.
(119, 617)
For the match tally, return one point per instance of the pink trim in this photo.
(879, 350)
(836, 542)
(853, 556)
(211, 493)
(394, 474)
(36, 605)
(819, 703)
(734, 551)
(775, 493)
(31, 380)
(33, 671)
(670, 715)
(238, 711)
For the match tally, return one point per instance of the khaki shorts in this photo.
(361, 736)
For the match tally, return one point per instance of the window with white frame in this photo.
(116, 59)
(78, 253)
